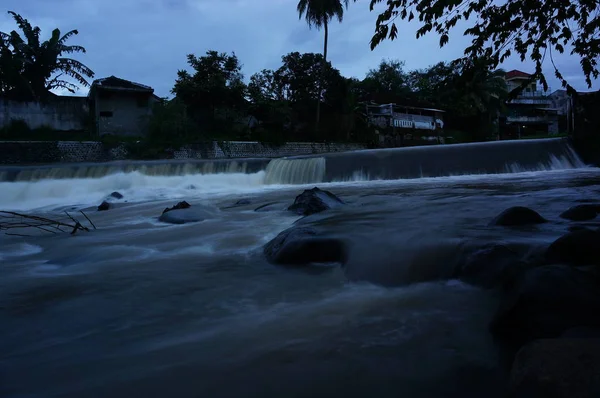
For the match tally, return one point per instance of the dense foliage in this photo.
(213, 102)
(530, 29)
(30, 68)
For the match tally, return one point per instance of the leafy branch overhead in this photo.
(530, 29)
(30, 68)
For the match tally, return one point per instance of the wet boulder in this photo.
(581, 212)
(304, 246)
(577, 248)
(518, 216)
(104, 206)
(179, 206)
(557, 368)
(116, 195)
(545, 302)
(313, 201)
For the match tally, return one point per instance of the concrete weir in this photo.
(376, 164)
(436, 161)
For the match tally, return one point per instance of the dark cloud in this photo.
(147, 40)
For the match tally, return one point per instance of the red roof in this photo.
(516, 74)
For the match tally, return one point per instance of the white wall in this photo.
(60, 113)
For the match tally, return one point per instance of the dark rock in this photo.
(581, 333)
(178, 206)
(243, 202)
(185, 215)
(303, 246)
(581, 213)
(270, 207)
(575, 248)
(313, 201)
(544, 302)
(104, 206)
(575, 228)
(518, 216)
(116, 195)
(557, 368)
(494, 265)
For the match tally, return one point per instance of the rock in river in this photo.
(184, 216)
(518, 216)
(183, 213)
(546, 301)
(116, 195)
(313, 201)
(576, 248)
(178, 206)
(302, 246)
(581, 212)
(557, 368)
(104, 206)
(495, 264)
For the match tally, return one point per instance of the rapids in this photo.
(141, 308)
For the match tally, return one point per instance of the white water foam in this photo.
(134, 186)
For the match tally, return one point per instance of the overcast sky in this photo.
(146, 41)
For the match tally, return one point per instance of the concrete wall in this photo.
(23, 152)
(123, 113)
(60, 113)
(247, 149)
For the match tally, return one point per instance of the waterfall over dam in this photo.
(375, 164)
(449, 160)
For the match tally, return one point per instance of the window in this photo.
(106, 114)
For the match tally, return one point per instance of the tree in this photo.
(319, 13)
(30, 68)
(531, 29)
(388, 82)
(283, 99)
(215, 87)
(268, 106)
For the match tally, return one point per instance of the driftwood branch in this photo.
(10, 220)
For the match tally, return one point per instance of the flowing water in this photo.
(141, 308)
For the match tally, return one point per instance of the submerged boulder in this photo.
(518, 216)
(313, 201)
(184, 216)
(581, 247)
(104, 206)
(557, 368)
(179, 206)
(303, 246)
(545, 302)
(271, 206)
(581, 212)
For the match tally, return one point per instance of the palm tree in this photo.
(40, 65)
(319, 13)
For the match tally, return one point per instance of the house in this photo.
(531, 111)
(121, 107)
(403, 121)
(405, 117)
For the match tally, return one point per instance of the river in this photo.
(142, 308)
